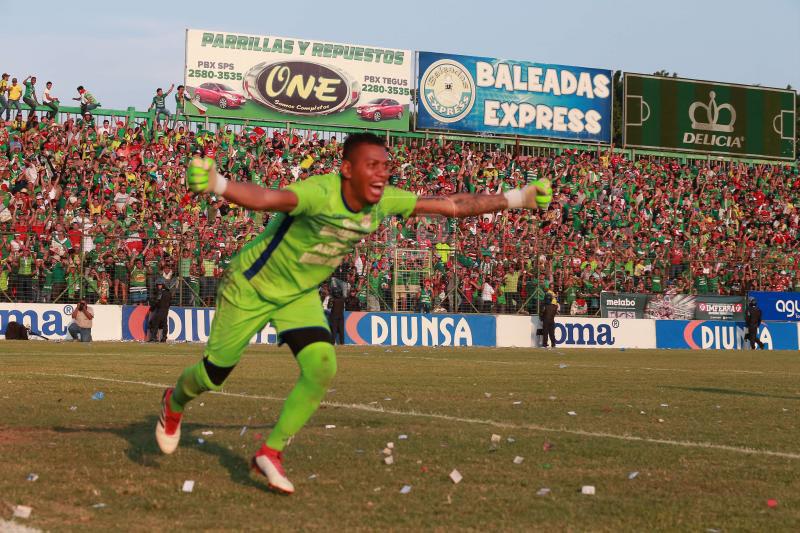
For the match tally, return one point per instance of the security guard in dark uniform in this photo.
(753, 320)
(548, 317)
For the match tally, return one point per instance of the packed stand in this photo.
(97, 206)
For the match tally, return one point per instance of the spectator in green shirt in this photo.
(30, 95)
(159, 103)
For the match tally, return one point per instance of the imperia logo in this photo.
(448, 90)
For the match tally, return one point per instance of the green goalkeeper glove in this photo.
(538, 194)
(201, 176)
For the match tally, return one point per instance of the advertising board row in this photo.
(671, 307)
(129, 323)
(322, 83)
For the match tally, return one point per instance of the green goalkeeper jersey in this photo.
(299, 250)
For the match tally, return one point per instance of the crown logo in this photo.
(712, 115)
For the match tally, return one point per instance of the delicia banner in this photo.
(703, 117)
(514, 98)
(285, 79)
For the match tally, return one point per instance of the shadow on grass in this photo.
(731, 392)
(143, 450)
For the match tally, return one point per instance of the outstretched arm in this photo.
(535, 195)
(201, 176)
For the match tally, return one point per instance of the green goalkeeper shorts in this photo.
(242, 312)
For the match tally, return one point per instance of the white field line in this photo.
(531, 362)
(476, 421)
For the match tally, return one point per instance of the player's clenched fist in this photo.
(538, 194)
(201, 175)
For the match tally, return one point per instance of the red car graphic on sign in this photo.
(219, 94)
(379, 109)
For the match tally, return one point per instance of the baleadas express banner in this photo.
(284, 79)
(514, 98)
(703, 117)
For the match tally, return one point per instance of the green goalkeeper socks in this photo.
(317, 367)
(191, 384)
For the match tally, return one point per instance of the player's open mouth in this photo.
(377, 188)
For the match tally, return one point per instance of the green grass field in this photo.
(712, 435)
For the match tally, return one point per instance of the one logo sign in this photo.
(301, 87)
(447, 90)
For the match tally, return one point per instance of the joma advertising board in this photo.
(703, 117)
(285, 79)
(507, 97)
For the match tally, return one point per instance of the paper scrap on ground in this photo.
(99, 506)
(98, 395)
(22, 511)
(387, 451)
(73, 407)
(588, 490)
(243, 431)
(518, 403)
(511, 440)
(201, 441)
(487, 394)
(312, 476)
(406, 489)
(544, 491)
(633, 475)
(390, 445)
(330, 426)
(207, 433)
(402, 437)
(456, 477)
(562, 365)
(664, 405)
(572, 413)
(188, 485)
(772, 503)
(518, 460)
(389, 460)
(33, 477)
(496, 438)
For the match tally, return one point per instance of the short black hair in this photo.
(354, 140)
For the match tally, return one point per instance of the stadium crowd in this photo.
(97, 205)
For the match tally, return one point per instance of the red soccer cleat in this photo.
(268, 462)
(168, 428)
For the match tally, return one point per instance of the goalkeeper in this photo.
(275, 277)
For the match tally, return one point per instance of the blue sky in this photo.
(122, 54)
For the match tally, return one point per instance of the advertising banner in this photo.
(188, 324)
(703, 117)
(52, 320)
(722, 335)
(508, 97)
(670, 306)
(778, 305)
(285, 79)
(622, 305)
(575, 332)
(403, 329)
(675, 306)
(719, 308)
